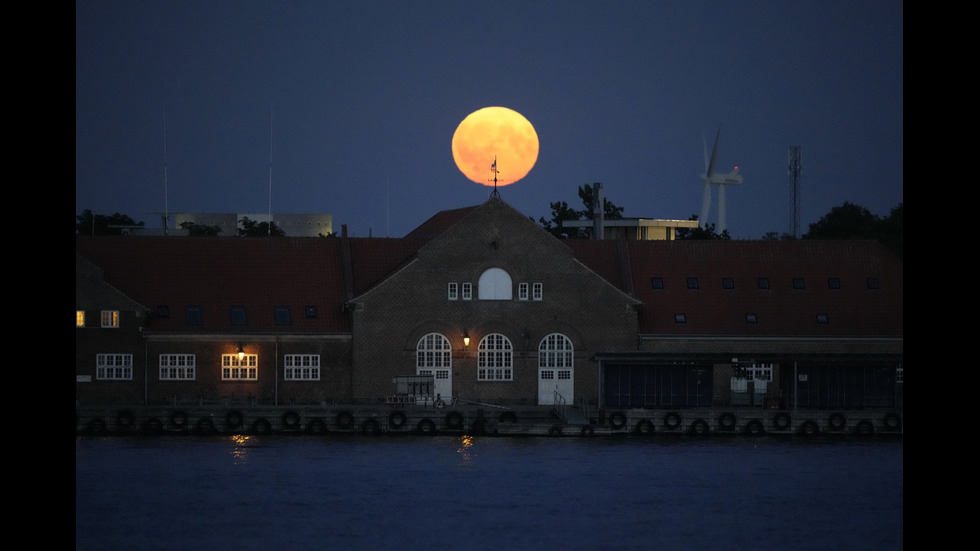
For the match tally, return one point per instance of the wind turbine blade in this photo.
(714, 155)
(705, 204)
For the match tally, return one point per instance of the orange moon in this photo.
(495, 132)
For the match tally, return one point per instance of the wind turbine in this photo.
(721, 180)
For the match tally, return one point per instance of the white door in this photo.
(551, 380)
(442, 383)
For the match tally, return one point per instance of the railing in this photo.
(560, 406)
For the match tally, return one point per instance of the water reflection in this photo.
(241, 450)
(465, 449)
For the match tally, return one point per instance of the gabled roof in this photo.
(439, 223)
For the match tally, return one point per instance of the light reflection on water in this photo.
(464, 492)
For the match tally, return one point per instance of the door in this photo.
(556, 371)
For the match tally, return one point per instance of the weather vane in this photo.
(493, 168)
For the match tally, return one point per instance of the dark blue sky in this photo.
(359, 101)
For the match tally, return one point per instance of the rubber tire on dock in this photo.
(727, 421)
(555, 430)
(345, 420)
(700, 427)
(125, 419)
(781, 421)
(371, 426)
(178, 419)
(152, 426)
(454, 420)
(427, 426)
(672, 420)
(397, 419)
(205, 425)
(892, 421)
(234, 419)
(644, 426)
(261, 426)
(290, 420)
(316, 426)
(755, 428)
(587, 430)
(617, 420)
(864, 428)
(837, 421)
(809, 428)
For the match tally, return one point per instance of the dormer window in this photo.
(873, 283)
(692, 283)
(680, 318)
(727, 283)
(798, 283)
(657, 283)
(238, 316)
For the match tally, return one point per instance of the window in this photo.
(833, 283)
(727, 283)
(522, 291)
(657, 283)
(798, 283)
(163, 311)
(759, 372)
(692, 283)
(301, 367)
(193, 316)
(433, 351)
(680, 318)
(282, 315)
(873, 283)
(110, 318)
(495, 359)
(555, 351)
(238, 316)
(114, 367)
(453, 292)
(751, 318)
(822, 318)
(234, 370)
(900, 374)
(495, 284)
(538, 291)
(310, 311)
(467, 291)
(79, 318)
(178, 367)
(763, 282)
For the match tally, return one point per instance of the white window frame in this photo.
(114, 367)
(234, 370)
(453, 292)
(556, 352)
(467, 291)
(433, 351)
(178, 367)
(301, 367)
(110, 319)
(495, 358)
(537, 291)
(522, 291)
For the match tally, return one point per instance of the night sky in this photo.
(349, 107)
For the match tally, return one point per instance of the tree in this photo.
(707, 232)
(88, 223)
(251, 228)
(194, 229)
(561, 212)
(850, 221)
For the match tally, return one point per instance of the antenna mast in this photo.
(270, 169)
(166, 191)
(794, 161)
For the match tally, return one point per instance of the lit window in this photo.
(178, 367)
(453, 292)
(538, 291)
(110, 318)
(118, 367)
(467, 291)
(301, 367)
(522, 291)
(79, 318)
(495, 359)
(234, 370)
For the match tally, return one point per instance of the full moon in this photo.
(495, 134)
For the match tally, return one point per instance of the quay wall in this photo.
(531, 421)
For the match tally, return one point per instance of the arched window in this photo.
(495, 359)
(495, 284)
(433, 352)
(556, 352)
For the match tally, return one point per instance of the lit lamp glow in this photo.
(466, 339)
(241, 352)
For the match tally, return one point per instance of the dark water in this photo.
(462, 493)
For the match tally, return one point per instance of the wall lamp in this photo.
(466, 339)
(241, 352)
